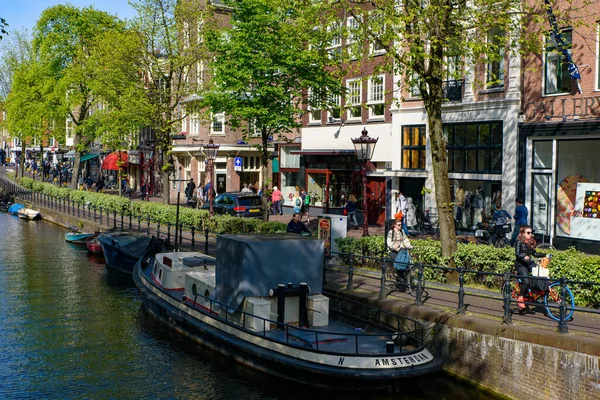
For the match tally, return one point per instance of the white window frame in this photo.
(354, 98)
(337, 100)
(494, 71)
(556, 57)
(311, 110)
(217, 118)
(352, 24)
(335, 44)
(376, 95)
(373, 50)
(194, 124)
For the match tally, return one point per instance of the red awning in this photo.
(114, 160)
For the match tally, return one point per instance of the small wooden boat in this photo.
(77, 237)
(29, 214)
(93, 245)
(14, 209)
(275, 317)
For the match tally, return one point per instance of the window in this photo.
(334, 106)
(414, 90)
(194, 124)
(335, 43)
(352, 46)
(314, 111)
(287, 159)
(377, 25)
(542, 154)
(556, 72)
(475, 147)
(376, 100)
(413, 147)
(354, 98)
(218, 123)
(494, 76)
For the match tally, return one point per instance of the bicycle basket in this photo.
(502, 228)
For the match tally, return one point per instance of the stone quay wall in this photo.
(514, 361)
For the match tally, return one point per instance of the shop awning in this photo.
(115, 160)
(70, 154)
(88, 157)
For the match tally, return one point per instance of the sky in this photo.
(25, 13)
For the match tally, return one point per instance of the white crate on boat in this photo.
(258, 307)
(318, 310)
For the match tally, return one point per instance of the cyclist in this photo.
(524, 250)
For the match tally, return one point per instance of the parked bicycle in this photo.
(542, 292)
(494, 235)
(428, 224)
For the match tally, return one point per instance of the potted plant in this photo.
(315, 199)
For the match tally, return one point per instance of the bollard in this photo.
(169, 233)
(461, 290)
(507, 317)
(383, 273)
(206, 241)
(350, 284)
(193, 246)
(418, 297)
(562, 323)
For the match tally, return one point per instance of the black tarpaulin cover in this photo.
(250, 265)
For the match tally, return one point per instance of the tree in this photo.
(262, 71)
(419, 38)
(64, 38)
(3, 25)
(172, 50)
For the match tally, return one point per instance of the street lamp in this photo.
(211, 151)
(364, 147)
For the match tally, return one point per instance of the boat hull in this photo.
(29, 214)
(77, 238)
(93, 245)
(122, 250)
(335, 370)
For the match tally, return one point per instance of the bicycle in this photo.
(398, 280)
(552, 297)
(427, 224)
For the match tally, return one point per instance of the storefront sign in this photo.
(581, 107)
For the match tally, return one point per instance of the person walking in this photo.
(276, 198)
(245, 189)
(305, 205)
(520, 218)
(351, 209)
(189, 190)
(200, 195)
(411, 214)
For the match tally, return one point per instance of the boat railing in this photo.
(406, 333)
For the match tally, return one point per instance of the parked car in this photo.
(238, 204)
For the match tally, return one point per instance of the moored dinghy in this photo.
(14, 208)
(272, 314)
(77, 237)
(29, 214)
(93, 245)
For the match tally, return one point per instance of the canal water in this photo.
(69, 330)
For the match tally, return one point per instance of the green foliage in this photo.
(571, 264)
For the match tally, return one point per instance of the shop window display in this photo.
(577, 173)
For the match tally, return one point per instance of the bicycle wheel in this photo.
(553, 297)
(501, 241)
(412, 282)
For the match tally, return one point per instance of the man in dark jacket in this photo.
(296, 226)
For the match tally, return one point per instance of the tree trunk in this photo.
(265, 173)
(76, 161)
(433, 106)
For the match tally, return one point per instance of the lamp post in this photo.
(211, 151)
(364, 147)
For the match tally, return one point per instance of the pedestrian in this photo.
(88, 183)
(276, 198)
(520, 218)
(297, 202)
(199, 195)
(459, 201)
(306, 205)
(296, 226)
(411, 214)
(189, 190)
(351, 205)
(245, 189)
(399, 246)
(401, 206)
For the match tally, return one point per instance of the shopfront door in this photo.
(541, 203)
(376, 201)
